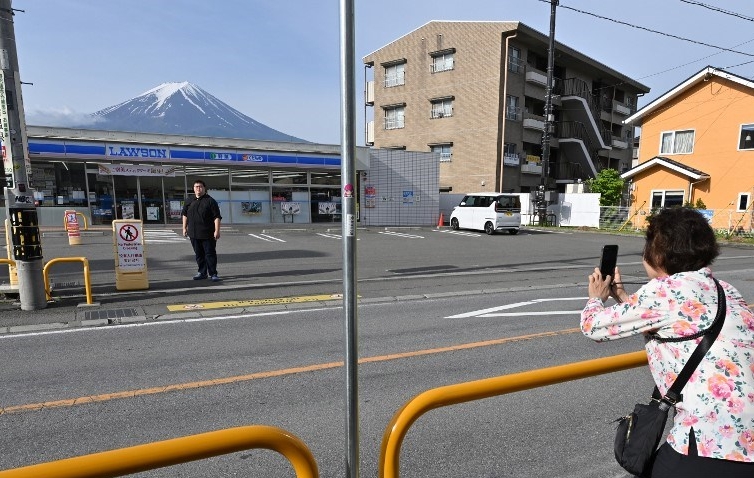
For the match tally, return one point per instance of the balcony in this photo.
(511, 159)
(531, 168)
(536, 76)
(619, 143)
(369, 141)
(534, 122)
(369, 93)
(620, 108)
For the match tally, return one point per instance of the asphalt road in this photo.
(435, 309)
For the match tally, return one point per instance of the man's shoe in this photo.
(200, 276)
(214, 278)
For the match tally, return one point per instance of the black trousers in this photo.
(206, 256)
(671, 464)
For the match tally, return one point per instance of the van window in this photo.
(508, 203)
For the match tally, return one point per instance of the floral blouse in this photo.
(718, 399)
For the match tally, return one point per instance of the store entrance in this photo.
(127, 197)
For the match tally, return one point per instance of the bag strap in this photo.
(710, 335)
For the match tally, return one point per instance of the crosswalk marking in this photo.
(401, 234)
(160, 236)
(265, 237)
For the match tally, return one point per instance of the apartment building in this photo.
(475, 93)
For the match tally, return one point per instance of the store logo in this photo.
(138, 152)
(253, 157)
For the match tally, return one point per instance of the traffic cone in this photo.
(440, 221)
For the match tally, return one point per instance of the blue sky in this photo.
(278, 61)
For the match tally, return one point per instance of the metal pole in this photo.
(549, 120)
(19, 197)
(348, 222)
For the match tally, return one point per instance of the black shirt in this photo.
(201, 213)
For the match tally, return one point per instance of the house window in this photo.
(394, 117)
(395, 75)
(661, 199)
(743, 202)
(747, 137)
(445, 150)
(442, 61)
(512, 109)
(441, 108)
(677, 142)
(515, 62)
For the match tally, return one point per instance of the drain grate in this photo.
(110, 314)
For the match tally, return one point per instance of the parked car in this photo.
(488, 212)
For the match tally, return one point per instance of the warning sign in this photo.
(129, 247)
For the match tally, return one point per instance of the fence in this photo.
(726, 222)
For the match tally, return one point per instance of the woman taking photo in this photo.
(713, 427)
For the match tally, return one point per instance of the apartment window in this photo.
(677, 142)
(661, 199)
(512, 109)
(394, 116)
(441, 107)
(445, 150)
(442, 60)
(515, 62)
(743, 202)
(747, 137)
(395, 74)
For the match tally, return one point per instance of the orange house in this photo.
(697, 146)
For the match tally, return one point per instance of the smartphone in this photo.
(609, 260)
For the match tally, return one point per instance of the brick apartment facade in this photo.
(474, 92)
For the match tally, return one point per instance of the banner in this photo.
(135, 170)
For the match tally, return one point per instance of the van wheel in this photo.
(454, 224)
(489, 229)
(512, 231)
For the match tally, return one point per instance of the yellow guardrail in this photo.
(490, 387)
(87, 279)
(86, 225)
(149, 456)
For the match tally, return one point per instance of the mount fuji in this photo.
(184, 109)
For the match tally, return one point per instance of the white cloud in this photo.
(60, 117)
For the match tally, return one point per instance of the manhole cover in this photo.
(109, 314)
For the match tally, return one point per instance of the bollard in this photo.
(72, 227)
(31, 289)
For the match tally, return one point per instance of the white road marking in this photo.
(486, 312)
(265, 237)
(400, 234)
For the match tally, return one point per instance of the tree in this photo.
(609, 185)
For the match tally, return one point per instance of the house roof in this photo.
(704, 75)
(668, 163)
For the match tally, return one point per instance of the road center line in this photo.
(30, 407)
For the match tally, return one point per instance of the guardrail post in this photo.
(87, 279)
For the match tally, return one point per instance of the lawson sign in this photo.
(131, 151)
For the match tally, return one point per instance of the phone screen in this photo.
(609, 260)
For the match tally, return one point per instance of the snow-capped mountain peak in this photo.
(186, 109)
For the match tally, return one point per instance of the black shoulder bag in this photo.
(639, 433)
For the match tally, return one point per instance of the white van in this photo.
(488, 212)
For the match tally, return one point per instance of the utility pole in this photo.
(543, 193)
(19, 197)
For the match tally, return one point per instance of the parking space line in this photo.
(265, 237)
(401, 234)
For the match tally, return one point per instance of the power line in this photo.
(652, 31)
(727, 12)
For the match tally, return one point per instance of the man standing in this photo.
(201, 223)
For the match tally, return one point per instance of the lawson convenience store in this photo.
(110, 175)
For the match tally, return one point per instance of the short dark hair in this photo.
(200, 182)
(680, 239)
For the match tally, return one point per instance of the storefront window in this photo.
(328, 177)
(59, 183)
(289, 177)
(290, 205)
(325, 204)
(175, 195)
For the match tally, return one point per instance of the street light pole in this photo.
(19, 197)
(549, 122)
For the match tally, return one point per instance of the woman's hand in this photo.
(599, 287)
(604, 287)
